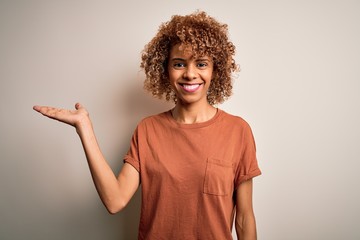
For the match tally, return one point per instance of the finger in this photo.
(78, 106)
(47, 111)
(40, 109)
(36, 108)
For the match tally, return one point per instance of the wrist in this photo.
(84, 125)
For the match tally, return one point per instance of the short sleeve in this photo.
(248, 167)
(132, 156)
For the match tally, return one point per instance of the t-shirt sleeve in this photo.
(132, 156)
(248, 165)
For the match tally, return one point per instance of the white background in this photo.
(299, 88)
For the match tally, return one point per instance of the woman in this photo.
(195, 162)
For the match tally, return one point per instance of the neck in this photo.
(189, 114)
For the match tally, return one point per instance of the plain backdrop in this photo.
(299, 88)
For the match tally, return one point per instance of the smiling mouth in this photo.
(190, 87)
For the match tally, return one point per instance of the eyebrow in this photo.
(181, 59)
(203, 59)
(177, 59)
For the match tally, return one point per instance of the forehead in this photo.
(184, 51)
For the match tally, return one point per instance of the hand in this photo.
(74, 118)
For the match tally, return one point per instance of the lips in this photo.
(190, 87)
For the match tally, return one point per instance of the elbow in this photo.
(245, 225)
(115, 207)
(113, 211)
(239, 224)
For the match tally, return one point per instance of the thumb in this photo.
(78, 106)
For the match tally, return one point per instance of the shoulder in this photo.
(233, 120)
(154, 120)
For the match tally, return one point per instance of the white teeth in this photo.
(191, 87)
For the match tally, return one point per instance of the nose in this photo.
(190, 72)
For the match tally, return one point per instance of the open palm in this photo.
(71, 117)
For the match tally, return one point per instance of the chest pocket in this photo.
(218, 177)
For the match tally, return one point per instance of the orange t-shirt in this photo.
(189, 174)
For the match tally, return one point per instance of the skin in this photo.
(190, 78)
(184, 69)
(245, 224)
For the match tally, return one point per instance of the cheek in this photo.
(173, 75)
(170, 76)
(171, 79)
(210, 76)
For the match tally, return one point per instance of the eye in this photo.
(202, 64)
(179, 65)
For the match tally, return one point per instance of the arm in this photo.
(114, 192)
(245, 219)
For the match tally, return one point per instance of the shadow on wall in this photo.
(137, 103)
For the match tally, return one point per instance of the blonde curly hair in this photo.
(205, 36)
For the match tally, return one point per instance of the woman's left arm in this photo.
(245, 223)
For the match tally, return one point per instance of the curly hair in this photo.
(205, 36)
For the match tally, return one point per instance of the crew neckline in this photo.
(193, 125)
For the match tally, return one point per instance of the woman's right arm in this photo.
(115, 192)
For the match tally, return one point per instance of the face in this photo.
(189, 77)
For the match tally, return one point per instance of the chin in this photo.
(189, 100)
